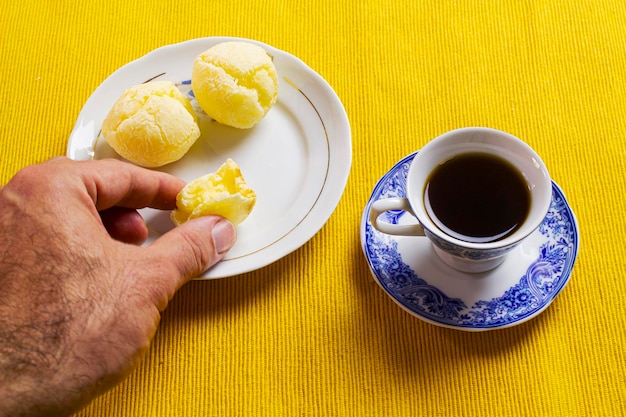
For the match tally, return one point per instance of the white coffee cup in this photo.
(460, 254)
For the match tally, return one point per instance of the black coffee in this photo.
(477, 197)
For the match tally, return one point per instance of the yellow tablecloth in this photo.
(313, 334)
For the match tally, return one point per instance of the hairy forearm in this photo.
(38, 370)
(22, 398)
(54, 358)
(27, 373)
(31, 342)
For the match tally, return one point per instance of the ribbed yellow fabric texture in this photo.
(312, 334)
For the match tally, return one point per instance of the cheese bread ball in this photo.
(224, 193)
(235, 83)
(151, 124)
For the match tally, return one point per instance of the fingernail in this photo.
(224, 236)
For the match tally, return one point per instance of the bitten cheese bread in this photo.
(224, 193)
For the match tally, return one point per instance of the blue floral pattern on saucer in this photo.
(531, 293)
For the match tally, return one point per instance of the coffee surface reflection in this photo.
(477, 197)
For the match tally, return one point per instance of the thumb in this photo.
(193, 247)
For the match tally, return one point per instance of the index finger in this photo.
(110, 182)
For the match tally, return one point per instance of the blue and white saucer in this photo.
(410, 272)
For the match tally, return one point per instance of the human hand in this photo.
(79, 300)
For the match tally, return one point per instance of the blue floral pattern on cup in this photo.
(543, 280)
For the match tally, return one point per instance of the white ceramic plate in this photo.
(297, 159)
(524, 285)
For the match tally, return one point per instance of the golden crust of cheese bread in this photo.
(151, 124)
(235, 83)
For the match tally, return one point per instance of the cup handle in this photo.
(399, 203)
